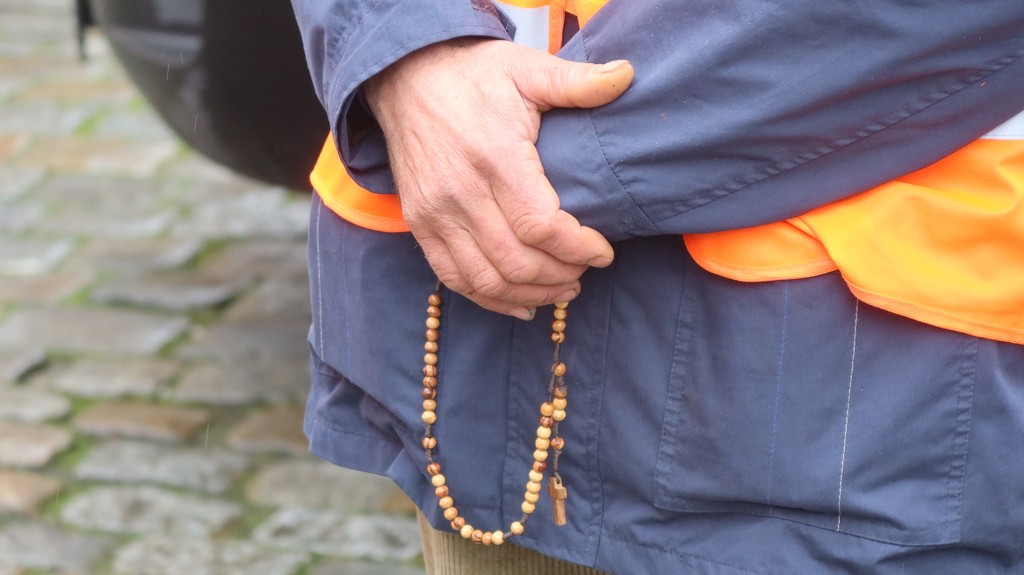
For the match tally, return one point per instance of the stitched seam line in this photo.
(778, 393)
(846, 423)
(319, 283)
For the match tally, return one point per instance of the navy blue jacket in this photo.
(714, 427)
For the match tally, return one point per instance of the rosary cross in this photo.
(558, 494)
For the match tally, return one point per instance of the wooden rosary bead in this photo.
(429, 393)
(433, 323)
(434, 299)
(429, 442)
(533, 487)
(546, 409)
(430, 347)
(561, 393)
(437, 480)
(561, 313)
(430, 381)
(430, 358)
(446, 503)
(466, 531)
(539, 466)
(434, 311)
(430, 370)
(429, 417)
(558, 337)
(559, 403)
(540, 455)
(441, 492)
(528, 507)
(558, 415)
(497, 538)
(458, 523)
(477, 536)
(559, 369)
(544, 432)
(558, 326)
(531, 497)
(516, 528)
(541, 443)
(534, 476)
(451, 513)
(434, 468)
(429, 404)
(557, 443)
(487, 538)
(432, 335)
(546, 421)
(561, 304)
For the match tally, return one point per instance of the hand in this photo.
(461, 120)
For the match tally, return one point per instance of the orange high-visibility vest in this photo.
(943, 245)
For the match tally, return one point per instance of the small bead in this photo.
(542, 443)
(441, 491)
(528, 507)
(559, 415)
(437, 480)
(547, 409)
(430, 347)
(433, 468)
(432, 334)
(535, 476)
(516, 528)
(477, 536)
(429, 442)
(558, 337)
(433, 323)
(539, 466)
(430, 370)
(546, 421)
(429, 393)
(434, 299)
(558, 326)
(543, 432)
(458, 523)
(488, 538)
(559, 369)
(497, 537)
(561, 304)
(430, 358)
(533, 487)
(430, 381)
(429, 417)
(429, 404)
(559, 402)
(531, 497)
(451, 513)
(561, 313)
(433, 311)
(561, 392)
(540, 455)
(466, 531)
(445, 502)
(557, 443)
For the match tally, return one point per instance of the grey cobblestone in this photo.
(23, 257)
(23, 491)
(168, 423)
(45, 289)
(141, 256)
(35, 545)
(322, 489)
(15, 363)
(149, 510)
(177, 292)
(27, 445)
(238, 382)
(209, 470)
(111, 331)
(29, 405)
(195, 556)
(376, 537)
(267, 340)
(277, 429)
(110, 378)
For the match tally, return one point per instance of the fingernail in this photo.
(600, 262)
(524, 313)
(610, 67)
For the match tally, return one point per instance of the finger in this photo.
(551, 82)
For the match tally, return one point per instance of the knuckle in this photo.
(534, 229)
(519, 268)
(487, 283)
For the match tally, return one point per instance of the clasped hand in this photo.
(461, 120)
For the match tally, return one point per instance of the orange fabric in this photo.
(340, 193)
(943, 245)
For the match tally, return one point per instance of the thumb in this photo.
(564, 84)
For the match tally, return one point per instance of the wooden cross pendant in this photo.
(558, 494)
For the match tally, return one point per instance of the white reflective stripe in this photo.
(1012, 129)
(531, 24)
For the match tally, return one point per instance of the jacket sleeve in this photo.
(745, 112)
(348, 41)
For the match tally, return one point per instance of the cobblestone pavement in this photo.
(153, 312)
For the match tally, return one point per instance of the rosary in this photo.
(548, 442)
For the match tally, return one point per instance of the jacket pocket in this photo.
(793, 400)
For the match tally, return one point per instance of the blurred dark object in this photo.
(228, 76)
